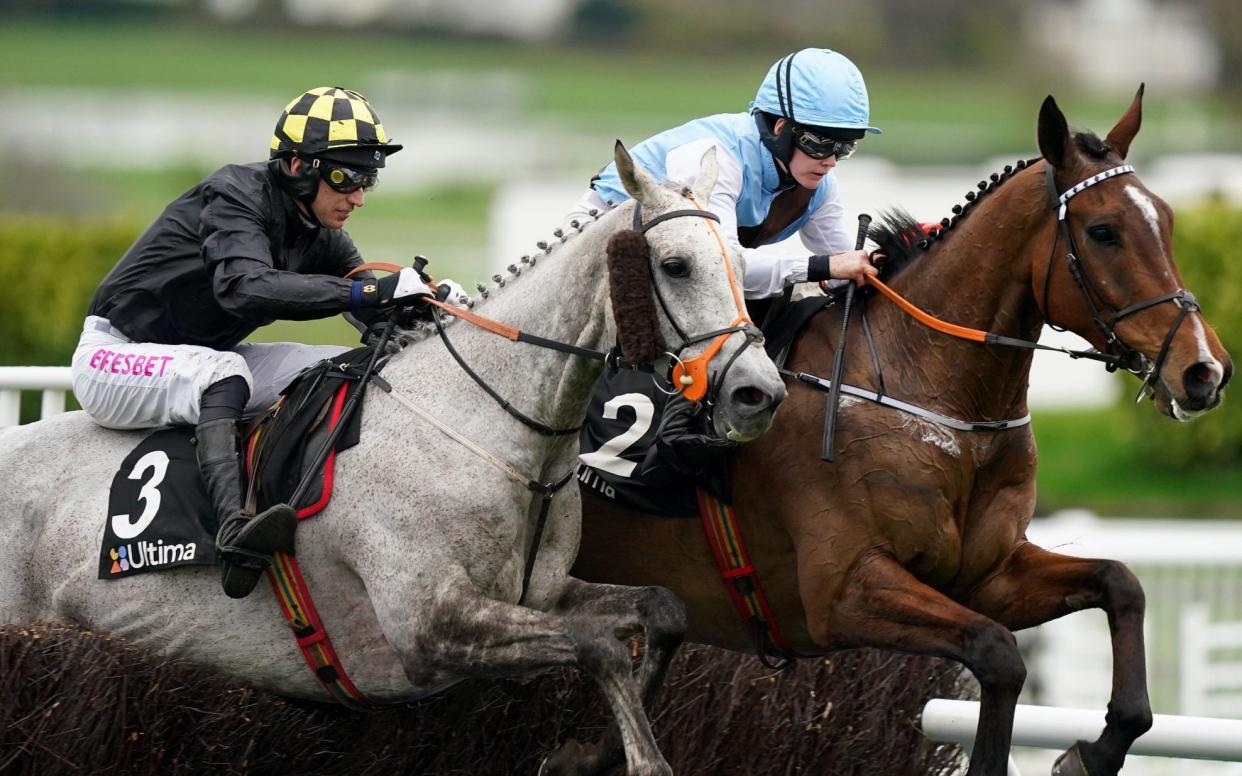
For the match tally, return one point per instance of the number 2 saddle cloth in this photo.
(619, 458)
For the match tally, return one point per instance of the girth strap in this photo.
(741, 581)
(299, 611)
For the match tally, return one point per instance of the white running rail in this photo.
(53, 381)
(1048, 727)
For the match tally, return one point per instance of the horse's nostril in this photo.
(751, 396)
(1201, 380)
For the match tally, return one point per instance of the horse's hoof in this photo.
(1070, 764)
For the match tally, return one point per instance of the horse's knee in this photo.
(1132, 719)
(993, 657)
(665, 616)
(1121, 590)
(598, 648)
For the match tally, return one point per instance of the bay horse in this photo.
(446, 515)
(915, 538)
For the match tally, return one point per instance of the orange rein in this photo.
(487, 324)
(690, 376)
(927, 319)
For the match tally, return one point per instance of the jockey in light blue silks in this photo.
(775, 179)
(775, 171)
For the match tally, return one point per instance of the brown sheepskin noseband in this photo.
(633, 300)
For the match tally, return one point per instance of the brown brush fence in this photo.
(77, 702)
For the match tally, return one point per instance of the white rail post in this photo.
(53, 381)
(10, 406)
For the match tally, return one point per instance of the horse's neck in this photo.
(977, 275)
(564, 297)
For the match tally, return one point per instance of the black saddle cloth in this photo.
(619, 459)
(616, 456)
(159, 513)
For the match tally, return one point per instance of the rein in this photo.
(688, 376)
(511, 333)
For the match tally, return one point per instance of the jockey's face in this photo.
(807, 171)
(331, 207)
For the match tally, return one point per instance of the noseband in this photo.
(689, 376)
(1116, 352)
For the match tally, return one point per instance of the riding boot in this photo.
(246, 543)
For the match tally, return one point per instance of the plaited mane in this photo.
(902, 239)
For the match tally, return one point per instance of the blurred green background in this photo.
(115, 108)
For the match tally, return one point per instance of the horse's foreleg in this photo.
(1034, 586)
(460, 632)
(655, 612)
(884, 606)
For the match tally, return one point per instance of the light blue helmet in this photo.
(816, 87)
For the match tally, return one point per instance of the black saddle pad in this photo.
(159, 514)
(293, 434)
(779, 334)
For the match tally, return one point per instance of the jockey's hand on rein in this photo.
(451, 291)
(852, 265)
(401, 289)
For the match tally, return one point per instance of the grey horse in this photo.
(417, 564)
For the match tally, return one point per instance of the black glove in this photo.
(400, 289)
(684, 444)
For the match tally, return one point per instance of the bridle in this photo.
(1117, 353)
(689, 376)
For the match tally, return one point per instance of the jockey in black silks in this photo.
(249, 244)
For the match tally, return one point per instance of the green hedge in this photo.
(49, 268)
(1206, 241)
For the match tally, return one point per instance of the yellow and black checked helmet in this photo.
(333, 123)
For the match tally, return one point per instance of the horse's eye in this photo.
(676, 267)
(1103, 234)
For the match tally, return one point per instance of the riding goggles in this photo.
(347, 180)
(820, 147)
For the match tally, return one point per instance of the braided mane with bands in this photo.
(901, 238)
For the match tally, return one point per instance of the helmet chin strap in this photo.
(780, 145)
(302, 186)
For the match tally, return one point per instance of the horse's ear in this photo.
(1119, 137)
(709, 170)
(637, 181)
(1053, 132)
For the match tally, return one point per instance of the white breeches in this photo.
(125, 384)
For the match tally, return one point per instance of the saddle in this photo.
(285, 441)
(160, 515)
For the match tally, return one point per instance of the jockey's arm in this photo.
(237, 252)
(768, 271)
(246, 282)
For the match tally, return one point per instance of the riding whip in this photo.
(838, 362)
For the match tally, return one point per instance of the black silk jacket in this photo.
(226, 257)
